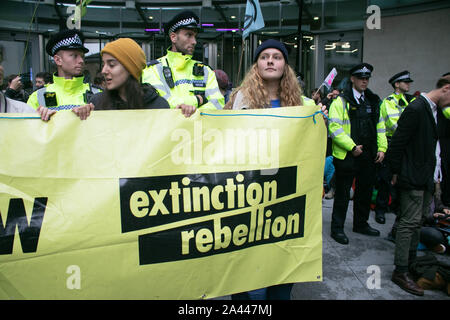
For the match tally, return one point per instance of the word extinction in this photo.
(195, 199)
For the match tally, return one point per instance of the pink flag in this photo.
(329, 79)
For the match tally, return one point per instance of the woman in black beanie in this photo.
(270, 83)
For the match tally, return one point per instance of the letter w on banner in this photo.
(253, 18)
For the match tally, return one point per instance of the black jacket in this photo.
(363, 131)
(373, 98)
(443, 128)
(411, 153)
(20, 95)
(152, 100)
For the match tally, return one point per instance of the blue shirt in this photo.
(275, 103)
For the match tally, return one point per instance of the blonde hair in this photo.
(255, 94)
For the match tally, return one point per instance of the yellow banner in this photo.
(147, 204)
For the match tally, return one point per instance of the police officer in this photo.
(358, 143)
(446, 110)
(68, 90)
(176, 76)
(391, 108)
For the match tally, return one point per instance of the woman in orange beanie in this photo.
(123, 62)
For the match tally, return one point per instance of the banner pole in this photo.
(319, 89)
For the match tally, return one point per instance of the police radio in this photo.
(50, 99)
(168, 75)
(198, 69)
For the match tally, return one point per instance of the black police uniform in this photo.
(364, 115)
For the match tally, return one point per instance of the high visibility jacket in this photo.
(391, 108)
(189, 78)
(62, 94)
(340, 129)
(446, 112)
(308, 101)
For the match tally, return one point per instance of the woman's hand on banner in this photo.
(83, 111)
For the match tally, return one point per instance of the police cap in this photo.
(363, 70)
(66, 39)
(403, 76)
(186, 20)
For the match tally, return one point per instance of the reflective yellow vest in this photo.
(446, 112)
(391, 110)
(308, 101)
(339, 129)
(188, 81)
(62, 94)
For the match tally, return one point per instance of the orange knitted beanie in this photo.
(129, 54)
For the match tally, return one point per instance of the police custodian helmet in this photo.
(64, 40)
(186, 20)
(403, 76)
(363, 70)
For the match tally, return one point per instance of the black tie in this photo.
(361, 100)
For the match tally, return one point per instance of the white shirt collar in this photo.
(433, 105)
(430, 102)
(357, 94)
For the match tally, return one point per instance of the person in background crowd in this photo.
(68, 91)
(412, 159)
(99, 81)
(178, 78)
(443, 127)
(2, 76)
(270, 83)
(15, 89)
(331, 181)
(316, 95)
(435, 231)
(13, 106)
(123, 62)
(330, 178)
(224, 83)
(42, 79)
(301, 82)
(359, 142)
(328, 99)
(391, 108)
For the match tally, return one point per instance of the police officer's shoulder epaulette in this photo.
(390, 98)
(202, 64)
(153, 62)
